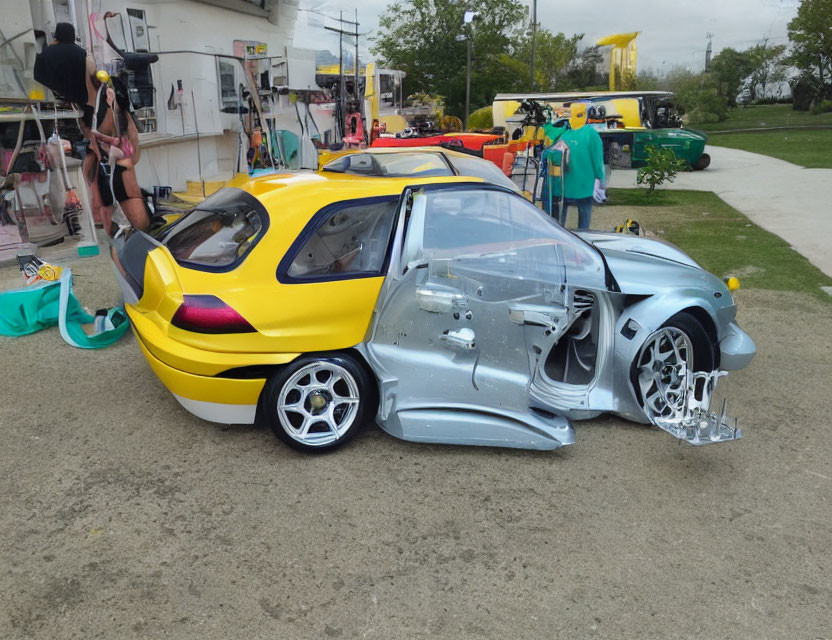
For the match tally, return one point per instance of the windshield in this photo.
(219, 232)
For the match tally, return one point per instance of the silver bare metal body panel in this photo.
(505, 348)
(459, 372)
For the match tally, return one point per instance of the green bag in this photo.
(24, 311)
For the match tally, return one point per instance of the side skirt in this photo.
(466, 426)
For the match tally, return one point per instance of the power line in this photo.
(326, 15)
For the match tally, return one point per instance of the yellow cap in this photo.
(102, 76)
(732, 283)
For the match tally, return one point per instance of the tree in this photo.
(729, 69)
(810, 33)
(421, 37)
(553, 55)
(646, 81)
(695, 95)
(583, 72)
(767, 67)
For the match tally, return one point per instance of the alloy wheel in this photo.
(318, 403)
(662, 372)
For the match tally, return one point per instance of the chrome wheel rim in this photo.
(318, 403)
(663, 365)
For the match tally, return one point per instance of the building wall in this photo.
(200, 28)
(204, 28)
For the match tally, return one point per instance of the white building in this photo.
(196, 41)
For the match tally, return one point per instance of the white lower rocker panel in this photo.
(217, 412)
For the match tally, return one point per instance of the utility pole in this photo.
(467, 85)
(468, 24)
(341, 83)
(534, 39)
(357, 92)
(342, 89)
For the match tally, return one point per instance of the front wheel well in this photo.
(697, 324)
(704, 318)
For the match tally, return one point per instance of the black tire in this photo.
(704, 355)
(703, 347)
(322, 436)
(702, 162)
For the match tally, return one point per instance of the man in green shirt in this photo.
(584, 165)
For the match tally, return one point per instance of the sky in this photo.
(673, 32)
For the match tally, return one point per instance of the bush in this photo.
(696, 95)
(781, 100)
(698, 116)
(481, 119)
(822, 107)
(810, 93)
(804, 91)
(662, 166)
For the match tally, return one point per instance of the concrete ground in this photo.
(781, 197)
(122, 516)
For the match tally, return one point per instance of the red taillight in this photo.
(209, 314)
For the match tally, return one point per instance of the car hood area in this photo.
(635, 262)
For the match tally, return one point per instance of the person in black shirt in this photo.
(62, 66)
(107, 124)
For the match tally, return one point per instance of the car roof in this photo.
(460, 162)
(350, 185)
(295, 196)
(318, 189)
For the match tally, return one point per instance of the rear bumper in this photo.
(736, 349)
(223, 400)
(184, 357)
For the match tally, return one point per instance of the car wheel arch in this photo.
(653, 311)
(352, 352)
(649, 314)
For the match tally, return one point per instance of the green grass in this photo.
(806, 147)
(723, 240)
(766, 115)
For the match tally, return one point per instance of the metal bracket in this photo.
(698, 425)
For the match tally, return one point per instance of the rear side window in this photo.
(219, 232)
(344, 240)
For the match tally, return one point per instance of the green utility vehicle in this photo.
(629, 122)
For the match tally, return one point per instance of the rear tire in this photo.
(318, 402)
(702, 162)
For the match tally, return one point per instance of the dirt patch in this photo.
(607, 217)
(124, 516)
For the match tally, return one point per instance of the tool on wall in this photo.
(175, 101)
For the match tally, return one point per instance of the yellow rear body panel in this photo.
(290, 319)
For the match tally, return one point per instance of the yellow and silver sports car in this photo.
(419, 288)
